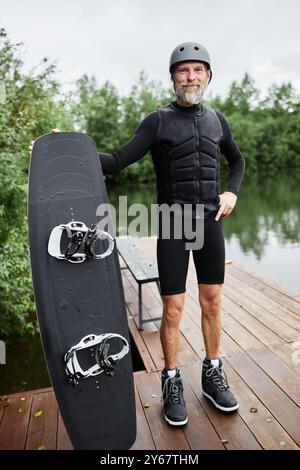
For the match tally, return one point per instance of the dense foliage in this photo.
(29, 106)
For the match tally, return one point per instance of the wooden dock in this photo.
(261, 354)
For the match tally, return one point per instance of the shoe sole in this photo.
(222, 408)
(176, 423)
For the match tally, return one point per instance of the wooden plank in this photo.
(144, 439)
(251, 295)
(267, 438)
(3, 404)
(280, 328)
(281, 349)
(200, 432)
(13, 430)
(269, 435)
(281, 374)
(136, 270)
(271, 364)
(149, 264)
(150, 333)
(63, 440)
(287, 353)
(230, 427)
(122, 263)
(141, 268)
(276, 317)
(164, 437)
(286, 412)
(247, 398)
(266, 336)
(266, 429)
(284, 290)
(263, 285)
(42, 429)
(263, 426)
(140, 344)
(148, 245)
(152, 307)
(192, 328)
(238, 434)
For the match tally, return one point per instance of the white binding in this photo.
(73, 368)
(75, 226)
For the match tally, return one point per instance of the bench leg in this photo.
(140, 308)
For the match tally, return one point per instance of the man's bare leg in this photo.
(169, 330)
(214, 382)
(210, 302)
(174, 404)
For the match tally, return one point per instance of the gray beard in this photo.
(190, 97)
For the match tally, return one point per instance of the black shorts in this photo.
(173, 258)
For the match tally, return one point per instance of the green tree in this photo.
(243, 97)
(30, 106)
(266, 129)
(111, 119)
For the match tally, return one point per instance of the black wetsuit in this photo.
(185, 144)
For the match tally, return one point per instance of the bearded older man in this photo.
(186, 139)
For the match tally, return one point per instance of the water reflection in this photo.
(262, 233)
(265, 210)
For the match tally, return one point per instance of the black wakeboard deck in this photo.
(78, 302)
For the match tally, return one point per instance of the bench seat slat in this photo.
(141, 268)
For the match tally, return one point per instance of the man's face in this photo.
(190, 81)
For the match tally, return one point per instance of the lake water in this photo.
(263, 231)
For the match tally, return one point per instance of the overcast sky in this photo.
(115, 40)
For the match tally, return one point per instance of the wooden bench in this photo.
(141, 269)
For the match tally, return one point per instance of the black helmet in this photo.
(189, 51)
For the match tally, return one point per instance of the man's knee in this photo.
(172, 312)
(210, 299)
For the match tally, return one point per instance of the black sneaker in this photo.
(215, 387)
(172, 396)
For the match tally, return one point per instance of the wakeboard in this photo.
(79, 293)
